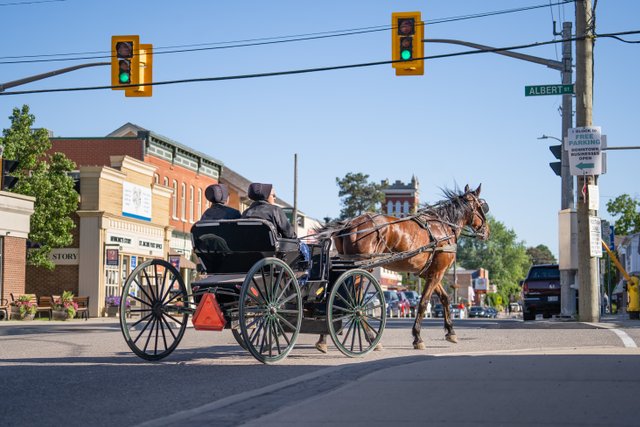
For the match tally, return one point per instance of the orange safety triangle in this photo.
(208, 316)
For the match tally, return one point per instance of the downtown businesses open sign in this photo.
(584, 145)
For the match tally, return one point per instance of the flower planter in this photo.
(111, 311)
(15, 314)
(60, 315)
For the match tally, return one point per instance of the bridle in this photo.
(482, 231)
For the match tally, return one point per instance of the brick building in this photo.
(122, 221)
(401, 199)
(15, 215)
(186, 171)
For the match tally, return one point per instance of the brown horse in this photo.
(431, 235)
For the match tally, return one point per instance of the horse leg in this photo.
(418, 344)
(448, 322)
(371, 336)
(321, 345)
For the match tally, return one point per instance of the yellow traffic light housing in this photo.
(125, 61)
(407, 33)
(145, 72)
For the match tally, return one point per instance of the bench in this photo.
(83, 307)
(4, 308)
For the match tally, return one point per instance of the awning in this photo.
(181, 261)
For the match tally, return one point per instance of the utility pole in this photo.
(589, 305)
(294, 214)
(567, 276)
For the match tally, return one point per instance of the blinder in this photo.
(485, 206)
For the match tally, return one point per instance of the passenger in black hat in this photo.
(218, 195)
(264, 207)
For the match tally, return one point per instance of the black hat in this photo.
(216, 193)
(259, 191)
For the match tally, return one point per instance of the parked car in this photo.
(541, 291)
(477, 311)
(438, 310)
(455, 310)
(372, 302)
(491, 312)
(392, 303)
(414, 300)
(404, 305)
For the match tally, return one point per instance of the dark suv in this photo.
(541, 291)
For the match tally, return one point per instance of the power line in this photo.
(22, 59)
(293, 72)
(29, 3)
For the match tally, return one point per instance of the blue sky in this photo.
(465, 121)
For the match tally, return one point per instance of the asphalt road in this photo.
(82, 373)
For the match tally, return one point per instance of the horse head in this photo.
(478, 209)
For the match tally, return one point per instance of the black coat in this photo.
(220, 211)
(265, 210)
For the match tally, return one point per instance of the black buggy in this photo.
(260, 287)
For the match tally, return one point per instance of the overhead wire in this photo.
(21, 59)
(303, 71)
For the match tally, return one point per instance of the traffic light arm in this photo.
(37, 77)
(556, 65)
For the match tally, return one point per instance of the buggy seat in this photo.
(235, 245)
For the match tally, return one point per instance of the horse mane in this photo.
(452, 210)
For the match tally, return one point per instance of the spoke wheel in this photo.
(154, 309)
(355, 313)
(270, 311)
(237, 334)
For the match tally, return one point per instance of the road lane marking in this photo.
(624, 337)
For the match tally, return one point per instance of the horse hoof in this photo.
(322, 348)
(378, 347)
(419, 346)
(452, 338)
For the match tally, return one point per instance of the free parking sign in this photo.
(585, 150)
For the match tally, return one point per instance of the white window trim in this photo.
(183, 202)
(174, 200)
(191, 202)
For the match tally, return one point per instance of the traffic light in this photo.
(407, 33)
(557, 152)
(8, 181)
(125, 61)
(145, 72)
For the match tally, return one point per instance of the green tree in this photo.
(46, 178)
(503, 255)
(541, 254)
(358, 195)
(627, 208)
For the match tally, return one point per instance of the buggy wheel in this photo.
(270, 311)
(356, 308)
(237, 334)
(154, 309)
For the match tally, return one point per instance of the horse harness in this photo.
(381, 259)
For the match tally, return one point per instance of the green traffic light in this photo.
(405, 55)
(124, 77)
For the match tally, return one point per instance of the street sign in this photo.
(595, 237)
(585, 150)
(548, 90)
